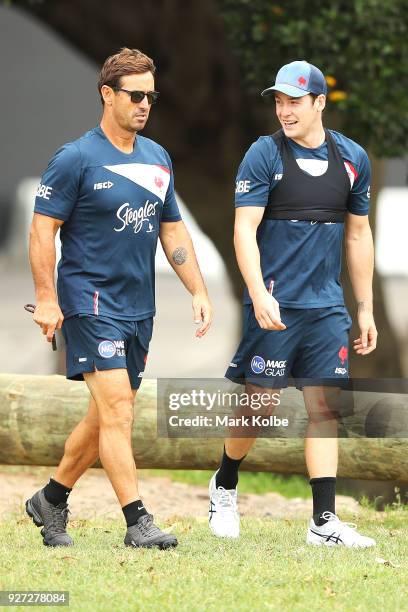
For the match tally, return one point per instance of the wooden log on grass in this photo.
(37, 413)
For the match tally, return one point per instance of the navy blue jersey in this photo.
(112, 204)
(301, 260)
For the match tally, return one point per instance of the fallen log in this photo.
(37, 413)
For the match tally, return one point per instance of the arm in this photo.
(360, 263)
(47, 314)
(247, 219)
(179, 250)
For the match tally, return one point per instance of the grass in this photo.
(249, 482)
(268, 568)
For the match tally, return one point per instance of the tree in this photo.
(362, 45)
(209, 112)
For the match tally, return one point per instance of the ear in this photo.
(107, 94)
(320, 103)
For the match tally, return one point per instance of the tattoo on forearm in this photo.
(180, 256)
(360, 306)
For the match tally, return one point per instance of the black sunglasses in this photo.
(137, 96)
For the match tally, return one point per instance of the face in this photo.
(130, 116)
(299, 116)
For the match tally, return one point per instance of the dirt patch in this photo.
(93, 496)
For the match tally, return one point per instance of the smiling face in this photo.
(129, 116)
(299, 117)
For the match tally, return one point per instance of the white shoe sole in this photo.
(314, 540)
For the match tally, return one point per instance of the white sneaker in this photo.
(336, 533)
(223, 515)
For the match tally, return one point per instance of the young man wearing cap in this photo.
(297, 192)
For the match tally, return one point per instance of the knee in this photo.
(117, 413)
(320, 412)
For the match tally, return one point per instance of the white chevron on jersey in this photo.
(351, 171)
(315, 167)
(152, 177)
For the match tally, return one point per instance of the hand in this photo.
(267, 312)
(203, 313)
(367, 341)
(49, 317)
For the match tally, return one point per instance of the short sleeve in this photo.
(359, 198)
(253, 181)
(57, 193)
(170, 208)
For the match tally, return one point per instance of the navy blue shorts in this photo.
(314, 346)
(97, 342)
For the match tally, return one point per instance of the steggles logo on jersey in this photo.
(136, 216)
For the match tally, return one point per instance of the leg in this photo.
(114, 400)
(48, 507)
(236, 447)
(325, 528)
(81, 448)
(321, 443)
(321, 453)
(223, 513)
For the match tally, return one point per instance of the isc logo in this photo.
(105, 185)
(340, 371)
(242, 186)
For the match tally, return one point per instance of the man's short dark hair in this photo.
(127, 61)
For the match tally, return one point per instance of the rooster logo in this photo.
(343, 353)
(302, 80)
(158, 182)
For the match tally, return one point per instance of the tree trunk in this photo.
(37, 413)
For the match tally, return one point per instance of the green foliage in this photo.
(362, 44)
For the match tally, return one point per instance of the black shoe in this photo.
(145, 534)
(52, 518)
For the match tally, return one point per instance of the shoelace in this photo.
(146, 525)
(226, 501)
(329, 516)
(59, 518)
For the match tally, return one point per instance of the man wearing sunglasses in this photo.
(112, 194)
(297, 192)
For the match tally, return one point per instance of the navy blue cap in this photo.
(298, 79)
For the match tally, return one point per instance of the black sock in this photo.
(227, 475)
(55, 493)
(324, 497)
(133, 512)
